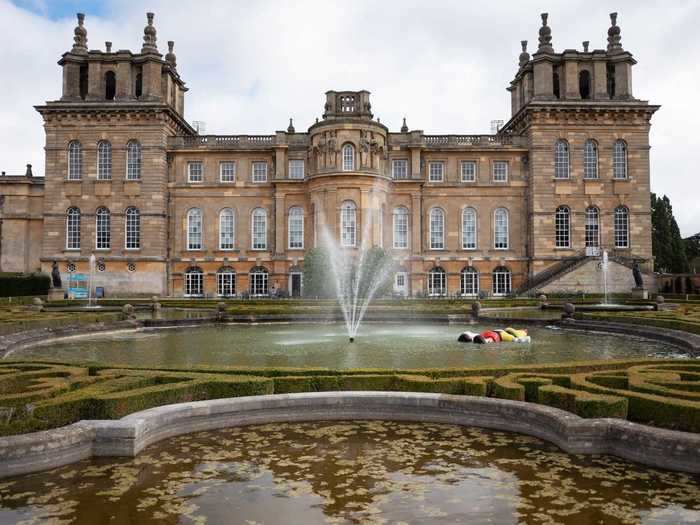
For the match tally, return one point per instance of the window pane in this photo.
(500, 171)
(226, 283)
(620, 160)
(194, 283)
(73, 229)
(590, 160)
(437, 229)
(296, 169)
(348, 224)
(348, 157)
(561, 160)
(194, 171)
(592, 228)
(501, 229)
(561, 227)
(469, 229)
(469, 282)
(104, 161)
(259, 171)
(102, 229)
(194, 230)
(226, 230)
(227, 171)
(436, 171)
(400, 228)
(468, 168)
(258, 283)
(133, 161)
(501, 281)
(400, 169)
(75, 161)
(133, 229)
(259, 230)
(621, 226)
(296, 228)
(437, 282)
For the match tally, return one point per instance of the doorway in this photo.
(295, 284)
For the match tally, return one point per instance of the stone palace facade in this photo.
(168, 211)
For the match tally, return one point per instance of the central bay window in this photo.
(501, 281)
(399, 169)
(348, 157)
(227, 171)
(620, 160)
(400, 228)
(469, 229)
(226, 229)
(133, 160)
(437, 282)
(194, 282)
(436, 171)
(194, 229)
(104, 160)
(102, 229)
(500, 229)
(469, 281)
(348, 224)
(226, 282)
(259, 171)
(561, 159)
(296, 169)
(562, 220)
(258, 282)
(295, 228)
(73, 229)
(590, 160)
(621, 227)
(133, 229)
(75, 160)
(437, 229)
(258, 229)
(592, 227)
(194, 171)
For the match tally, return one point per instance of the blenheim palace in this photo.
(168, 211)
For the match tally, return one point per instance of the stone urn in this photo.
(569, 310)
(128, 312)
(476, 308)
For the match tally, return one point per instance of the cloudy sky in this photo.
(444, 65)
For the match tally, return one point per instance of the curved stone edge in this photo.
(128, 436)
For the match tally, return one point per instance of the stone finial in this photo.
(404, 127)
(170, 55)
(524, 55)
(149, 36)
(614, 37)
(29, 173)
(80, 38)
(290, 128)
(108, 47)
(586, 43)
(545, 36)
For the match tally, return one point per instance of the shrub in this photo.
(20, 284)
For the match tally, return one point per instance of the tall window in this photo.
(133, 160)
(259, 171)
(590, 160)
(621, 227)
(584, 84)
(226, 282)
(469, 281)
(400, 228)
(295, 228)
(73, 229)
(296, 169)
(226, 229)
(104, 160)
(620, 160)
(194, 282)
(592, 227)
(102, 229)
(194, 229)
(195, 171)
(610, 79)
(436, 171)
(348, 157)
(75, 161)
(437, 229)
(437, 282)
(561, 159)
(227, 171)
(500, 171)
(259, 229)
(348, 224)
(500, 229)
(469, 229)
(399, 169)
(258, 281)
(562, 222)
(133, 229)
(468, 170)
(501, 281)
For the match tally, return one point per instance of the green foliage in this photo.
(318, 275)
(666, 241)
(20, 284)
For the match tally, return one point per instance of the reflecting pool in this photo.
(326, 345)
(353, 472)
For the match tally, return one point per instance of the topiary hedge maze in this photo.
(37, 396)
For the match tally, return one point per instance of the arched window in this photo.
(104, 160)
(194, 282)
(295, 228)
(500, 229)
(469, 281)
(348, 224)
(584, 84)
(75, 160)
(102, 229)
(226, 282)
(133, 160)
(620, 160)
(259, 282)
(110, 85)
(73, 229)
(590, 160)
(555, 85)
(227, 229)
(437, 229)
(194, 229)
(132, 240)
(621, 227)
(469, 229)
(400, 228)
(437, 282)
(562, 227)
(592, 227)
(348, 157)
(258, 229)
(501, 281)
(561, 159)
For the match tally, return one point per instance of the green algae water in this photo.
(352, 472)
(382, 345)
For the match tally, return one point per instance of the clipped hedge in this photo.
(582, 404)
(21, 284)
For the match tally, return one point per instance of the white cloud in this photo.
(252, 65)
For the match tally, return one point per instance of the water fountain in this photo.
(91, 284)
(604, 268)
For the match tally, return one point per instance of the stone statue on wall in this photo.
(55, 275)
(637, 274)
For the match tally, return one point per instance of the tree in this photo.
(318, 277)
(692, 251)
(666, 242)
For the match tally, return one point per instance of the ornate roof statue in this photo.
(586, 43)
(545, 36)
(80, 38)
(170, 56)
(404, 127)
(108, 47)
(149, 36)
(290, 128)
(524, 55)
(614, 38)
